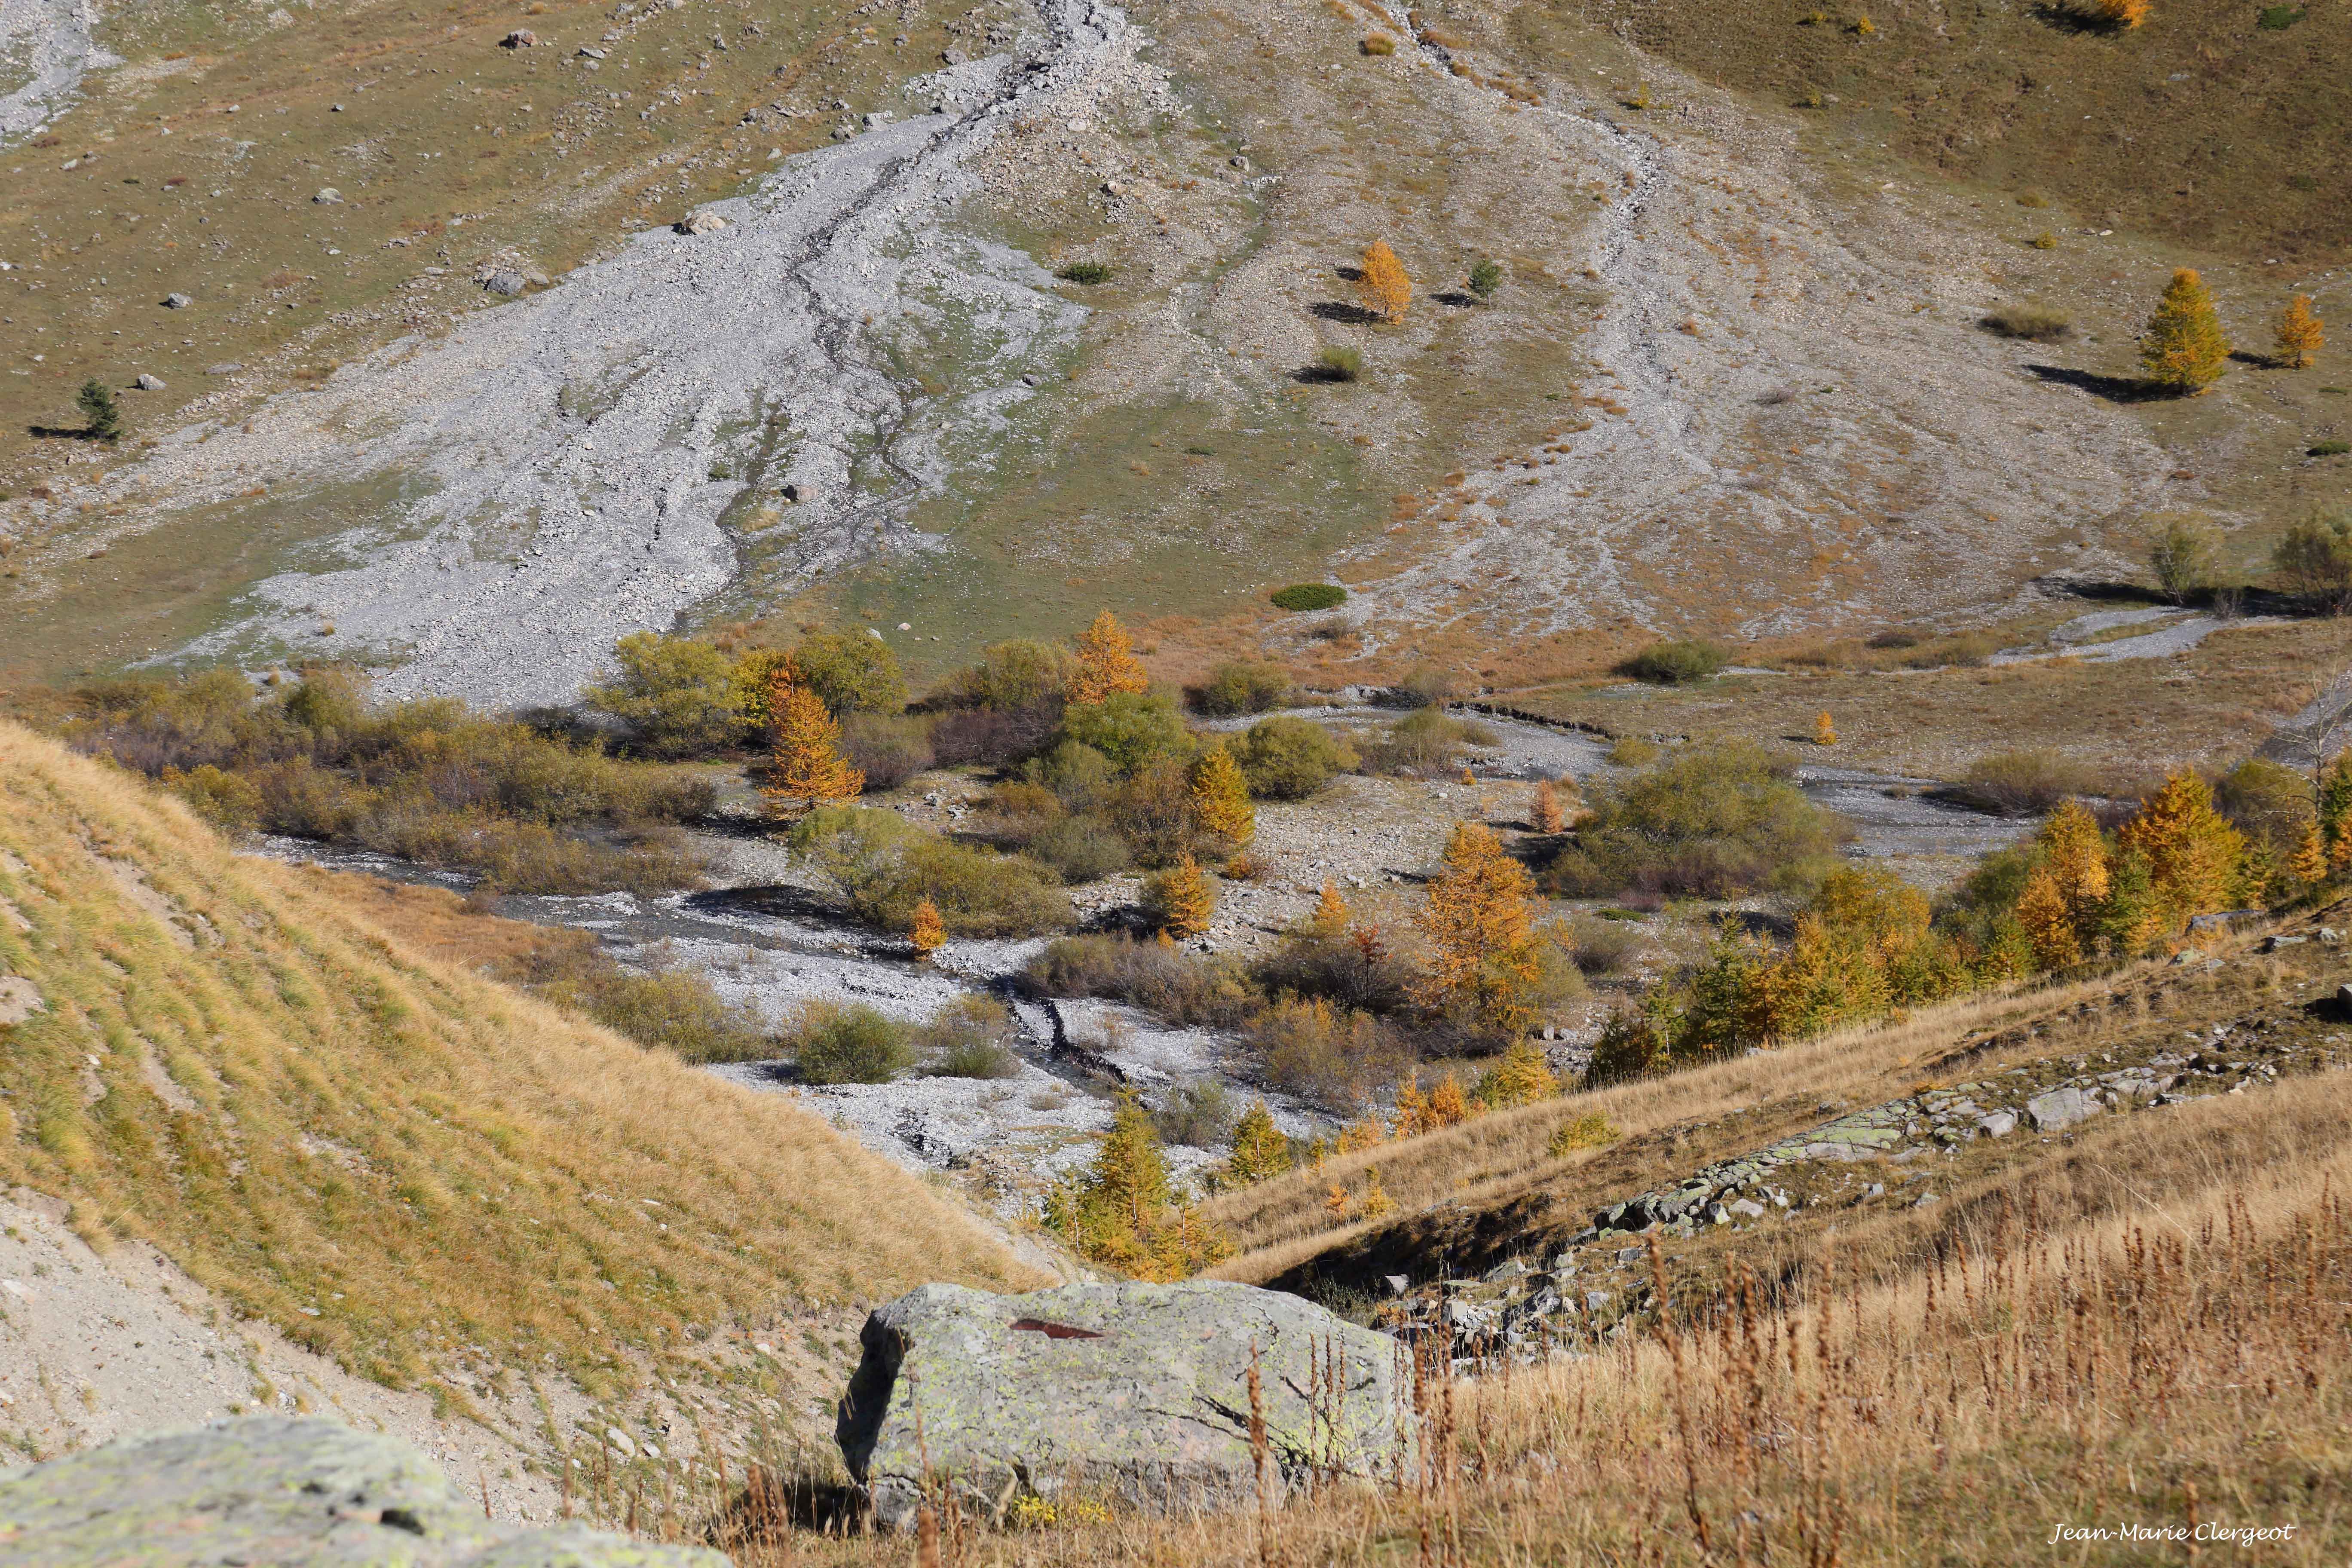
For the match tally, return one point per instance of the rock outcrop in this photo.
(270, 1489)
(1127, 1392)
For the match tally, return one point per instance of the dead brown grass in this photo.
(2176, 1363)
(308, 1116)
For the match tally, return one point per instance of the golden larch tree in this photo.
(2193, 854)
(1520, 1075)
(1483, 961)
(1543, 810)
(1383, 282)
(2298, 336)
(2336, 810)
(1107, 662)
(1259, 1147)
(2075, 855)
(2049, 925)
(2309, 862)
(1331, 912)
(1824, 730)
(806, 768)
(1221, 797)
(2121, 15)
(929, 933)
(2184, 347)
(1178, 898)
(1448, 1106)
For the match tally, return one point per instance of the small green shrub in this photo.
(1129, 728)
(851, 672)
(1425, 742)
(2279, 19)
(2331, 448)
(669, 1009)
(1486, 277)
(1633, 752)
(1242, 687)
(1290, 759)
(1309, 596)
(1337, 363)
(1712, 822)
(2046, 240)
(1012, 676)
(2183, 554)
(1081, 778)
(1326, 1056)
(1172, 981)
(1082, 848)
(1197, 1115)
(1676, 663)
(2025, 783)
(831, 1044)
(1427, 685)
(882, 865)
(967, 1039)
(1601, 946)
(677, 696)
(2036, 324)
(1085, 272)
(887, 748)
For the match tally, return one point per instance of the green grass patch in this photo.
(1309, 596)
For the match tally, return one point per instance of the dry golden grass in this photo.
(2213, 704)
(304, 1113)
(1668, 1125)
(2177, 1366)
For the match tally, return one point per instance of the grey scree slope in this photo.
(561, 449)
(1148, 1403)
(268, 1489)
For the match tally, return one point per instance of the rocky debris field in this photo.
(1910, 1152)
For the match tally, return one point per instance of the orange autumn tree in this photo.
(806, 768)
(1107, 662)
(1221, 797)
(2195, 858)
(929, 933)
(1383, 282)
(1543, 810)
(2298, 336)
(1484, 966)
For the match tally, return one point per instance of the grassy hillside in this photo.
(387, 1157)
(2218, 126)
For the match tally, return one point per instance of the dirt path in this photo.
(584, 462)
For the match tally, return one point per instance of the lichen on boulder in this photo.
(266, 1490)
(1128, 1393)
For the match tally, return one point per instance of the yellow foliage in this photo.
(1824, 732)
(1221, 797)
(1483, 962)
(1364, 1135)
(1107, 662)
(2184, 347)
(1331, 912)
(929, 933)
(1259, 1147)
(2310, 861)
(1590, 1131)
(806, 768)
(1521, 1076)
(2193, 855)
(2050, 928)
(2123, 13)
(1180, 900)
(2298, 336)
(1386, 290)
(1543, 810)
(2076, 858)
(1377, 1202)
(1448, 1106)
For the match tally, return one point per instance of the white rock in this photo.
(329, 197)
(147, 382)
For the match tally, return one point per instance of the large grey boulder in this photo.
(1127, 1392)
(267, 1490)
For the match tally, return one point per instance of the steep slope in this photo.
(426, 1179)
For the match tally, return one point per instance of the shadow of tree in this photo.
(2113, 388)
(2069, 17)
(1340, 311)
(62, 433)
(1320, 375)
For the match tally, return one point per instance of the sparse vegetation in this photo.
(2026, 784)
(967, 1039)
(2314, 558)
(1240, 686)
(2034, 323)
(1337, 363)
(1676, 663)
(882, 867)
(832, 1044)
(1088, 273)
(429, 781)
(1290, 759)
(1379, 46)
(1716, 822)
(2184, 554)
